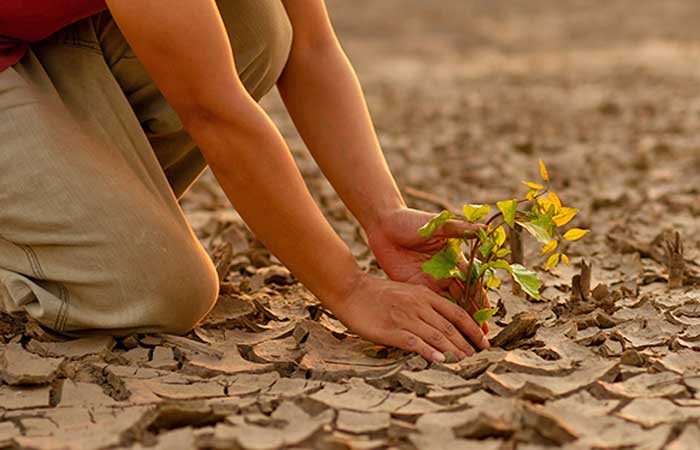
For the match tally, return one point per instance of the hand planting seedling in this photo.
(476, 259)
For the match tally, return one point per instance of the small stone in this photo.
(632, 357)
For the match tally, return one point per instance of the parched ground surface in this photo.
(466, 95)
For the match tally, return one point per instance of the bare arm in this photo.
(325, 100)
(186, 50)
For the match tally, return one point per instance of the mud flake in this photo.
(422, 381)
(526, 361)
(74, 349)
(230, 362)
(77, 393)
(518, 384)
(650, 412)
(18, 366)
(8, 431)
(163, 358)
(357, 422)
(296, 427)
(240, 337)
(663, 384)
(684, 361)
(431, 441)
(228, 309)
(12, 397)
(688, 439)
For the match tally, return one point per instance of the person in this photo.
(110, 111)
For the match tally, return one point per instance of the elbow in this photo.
(202, 113)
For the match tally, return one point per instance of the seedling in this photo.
(478, 258)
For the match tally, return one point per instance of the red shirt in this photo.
(23, 21)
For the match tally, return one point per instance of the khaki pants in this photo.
(92, 164)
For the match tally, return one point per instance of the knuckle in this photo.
(436, 336)
(448, 329)
(411, 342)
(461, 314)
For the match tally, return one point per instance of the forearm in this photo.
(254, 167)
(325, 101)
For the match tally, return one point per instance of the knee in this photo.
(184, 293)
(177, 289)
(261, 45)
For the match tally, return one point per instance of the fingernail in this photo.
(485, 342)
(438, 357)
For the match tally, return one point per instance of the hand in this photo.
(409, 317)
(400, 251)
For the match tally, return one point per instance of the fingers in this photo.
(455, 229)
(462, 320)
(442, 335)
(409, 341)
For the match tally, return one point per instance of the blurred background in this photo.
(466, 95)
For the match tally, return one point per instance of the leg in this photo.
(92, 238)
(260, 35)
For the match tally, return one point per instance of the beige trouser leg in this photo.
(92, 161)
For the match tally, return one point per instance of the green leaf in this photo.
(508, 208)
(484, 314)
(483, 235)
(444, 264)
(541, 227)
(486, 249)
(477, 270)
(475, 212)
(502, 252)
(527, 280)
(433, 224)
(501, 264)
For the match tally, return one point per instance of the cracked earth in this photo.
(466, 96)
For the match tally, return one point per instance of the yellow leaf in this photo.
(493, 282)
(552, 261)
(500, 236)
(565, 259)
(545, 204)
(475, 212)
(532, 185)
(543, 172)
(575, 234)
(550, 246)
(564, 216)
(531, 195)
(555, 200)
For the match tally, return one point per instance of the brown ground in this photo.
(466, 95)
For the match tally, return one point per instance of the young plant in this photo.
(478, 258)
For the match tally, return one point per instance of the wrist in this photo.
(340, 290)
(382, 218)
